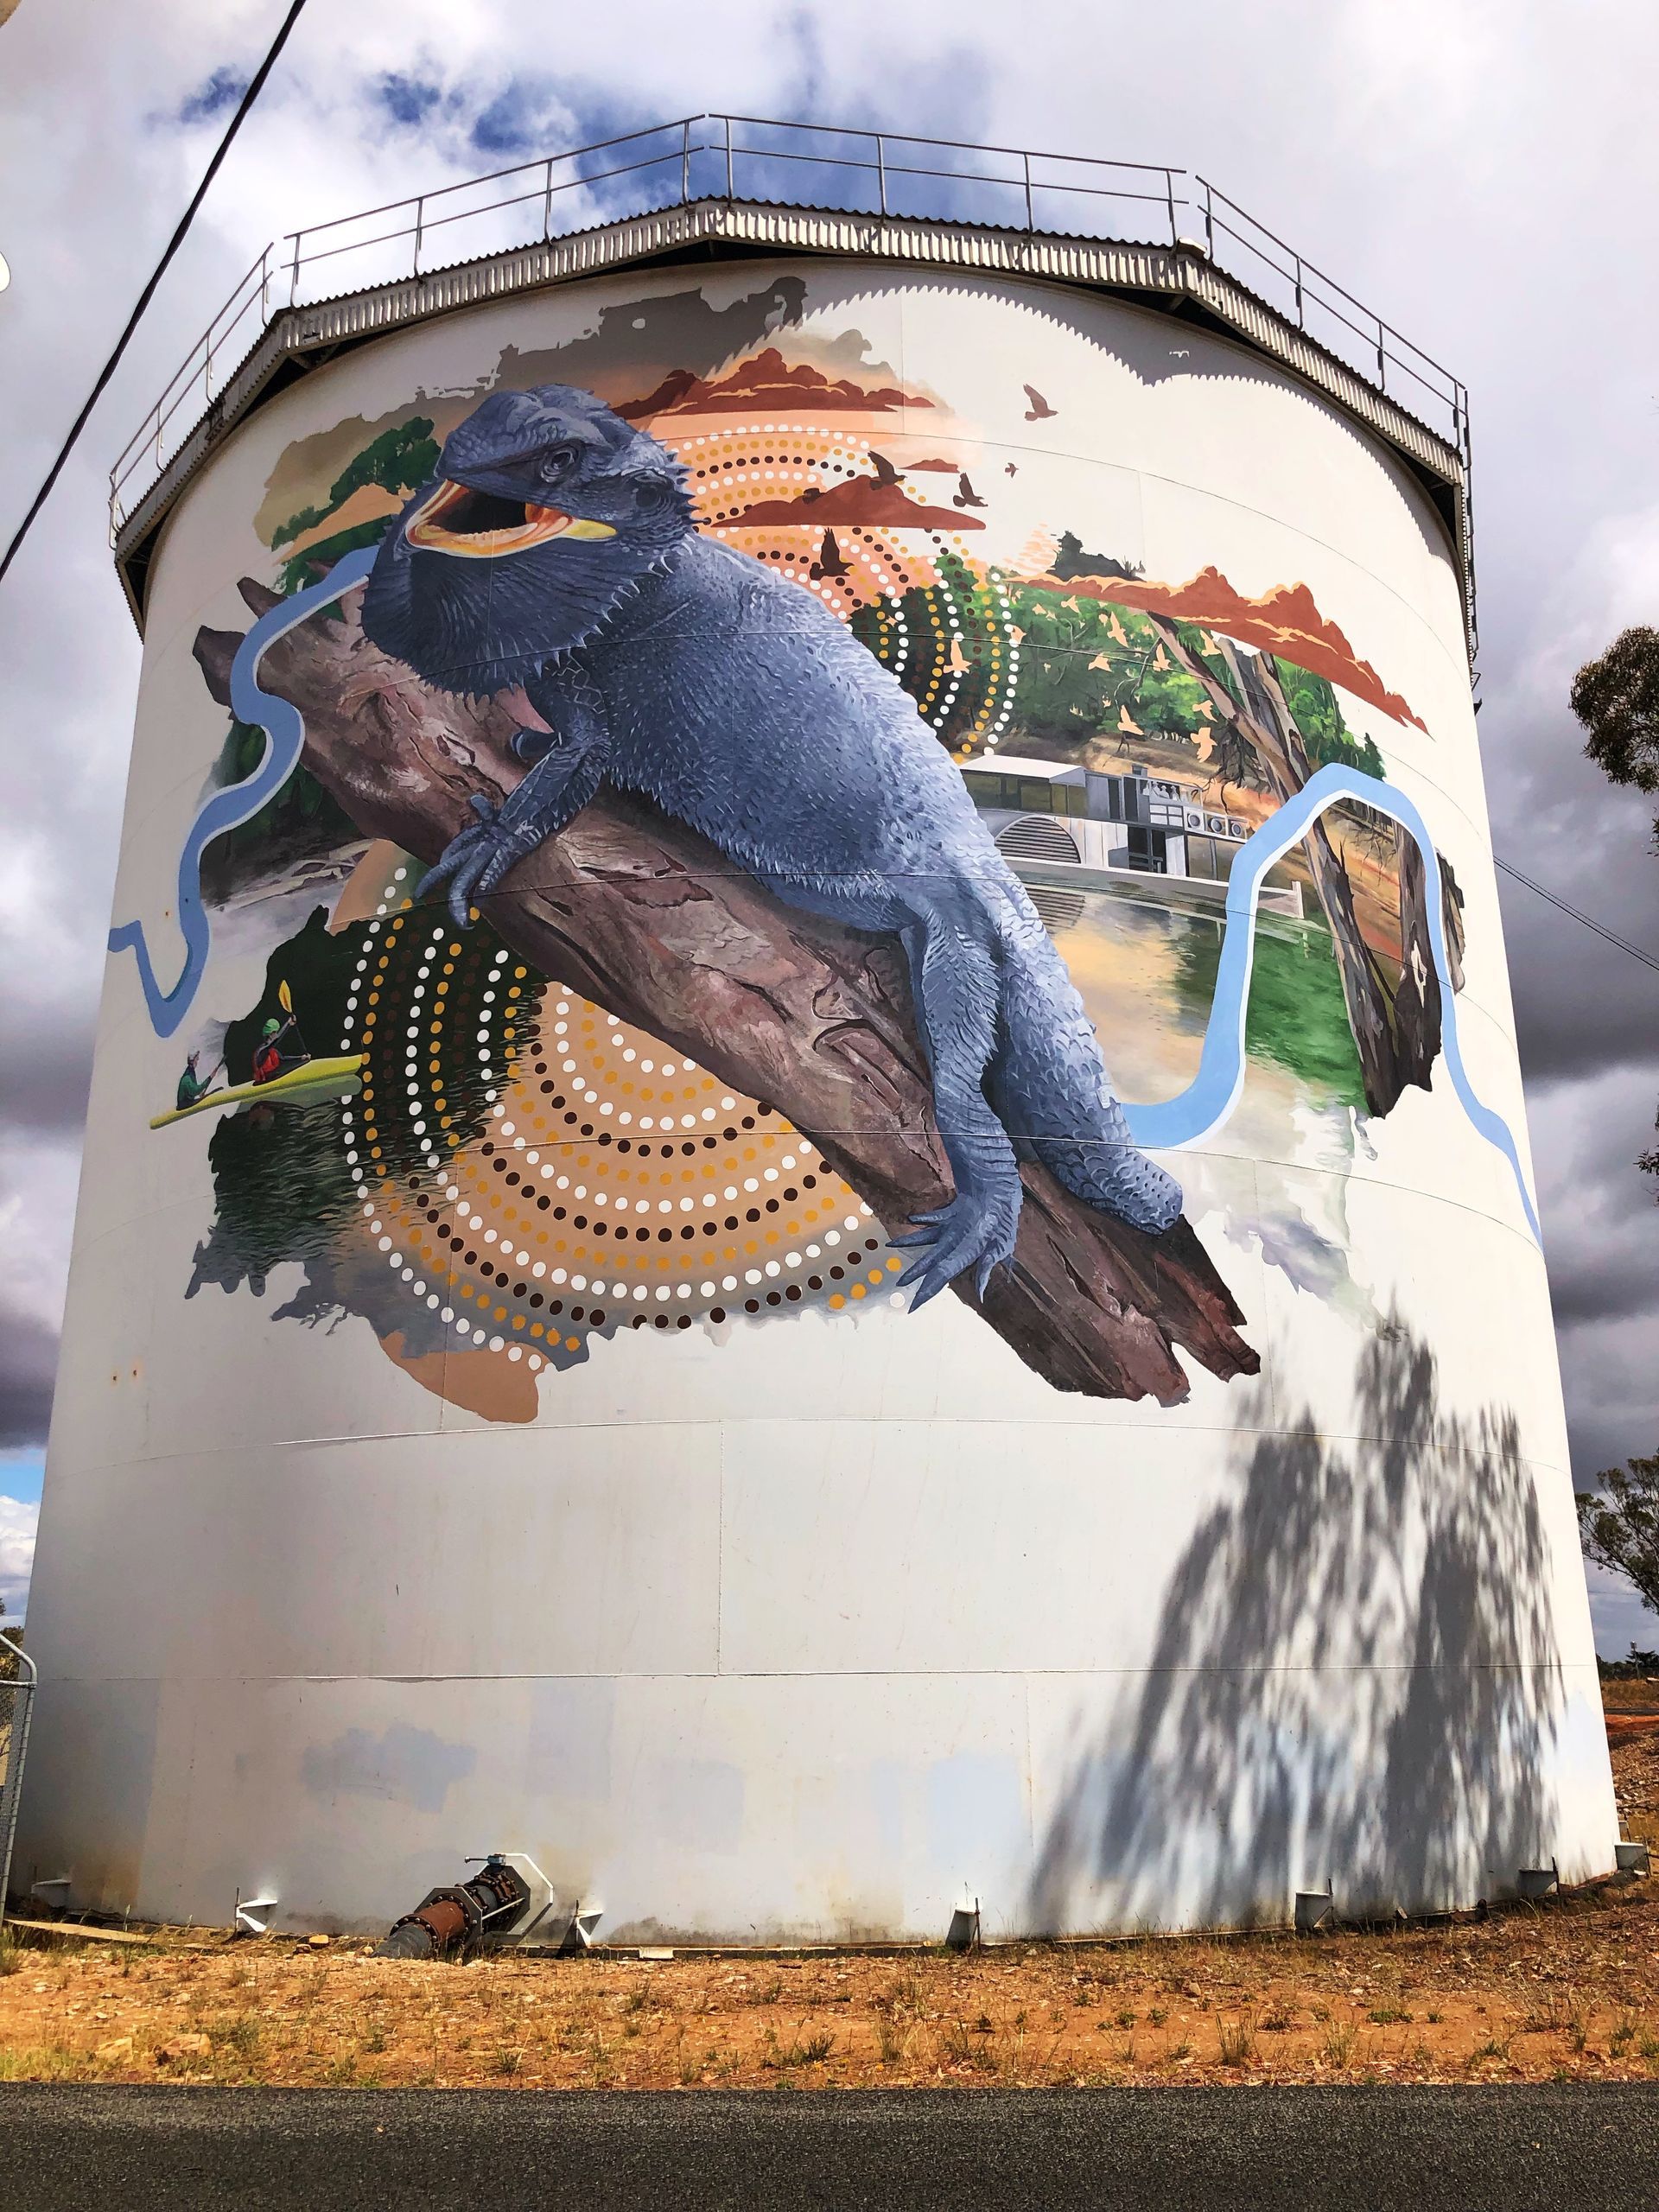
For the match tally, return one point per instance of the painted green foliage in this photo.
(1084, 664)
(399, 461)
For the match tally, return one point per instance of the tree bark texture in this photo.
(639, 913)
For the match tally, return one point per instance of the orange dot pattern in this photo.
(536, 1171)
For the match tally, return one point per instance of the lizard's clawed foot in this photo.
(975, 1230)
(475, 860)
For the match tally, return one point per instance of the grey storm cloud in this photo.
(26, 1378)
(1396, 142)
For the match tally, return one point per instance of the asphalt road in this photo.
(1572, 2149)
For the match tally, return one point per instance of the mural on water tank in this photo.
(706, 872)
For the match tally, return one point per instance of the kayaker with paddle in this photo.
(193, 1087)
(268, 1060)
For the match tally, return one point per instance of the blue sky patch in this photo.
(221, 92)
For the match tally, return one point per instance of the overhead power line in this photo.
(1612, 936)
(255, 85)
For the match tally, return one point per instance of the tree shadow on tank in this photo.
(1355, 1681)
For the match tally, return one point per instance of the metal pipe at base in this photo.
(452, 1920)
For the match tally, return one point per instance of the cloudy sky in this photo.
(1482, 171)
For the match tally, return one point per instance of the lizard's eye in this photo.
(556, 463)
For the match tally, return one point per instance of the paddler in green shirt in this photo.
(192, 1086)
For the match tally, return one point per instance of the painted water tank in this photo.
(913, 1277)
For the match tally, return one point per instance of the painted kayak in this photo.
(300, 1086)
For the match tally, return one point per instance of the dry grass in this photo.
(1567, 1992)
(1573, 1989)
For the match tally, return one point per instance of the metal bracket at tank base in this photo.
(578, 1938)
(1315, 1908)
(1533, 1884)
(962, 1935)
(247, 1920)
(44, 1889)
(1632, 1857)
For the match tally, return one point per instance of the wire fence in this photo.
(808, 165)
(17, 1696)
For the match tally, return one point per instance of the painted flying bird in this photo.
(965, 495)
(1039, 410)
(885, 471)
(829, 563)
(1010, 470)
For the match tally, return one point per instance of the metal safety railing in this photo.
(1332, 316)
(18, 1685)
(813, 166)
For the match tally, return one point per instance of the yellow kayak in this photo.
(298, 1086)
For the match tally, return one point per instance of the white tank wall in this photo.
(801, 1626)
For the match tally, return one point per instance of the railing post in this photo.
(1026, 164)
(881, 174)
(685, 162)
(420, 221)
(547, 202)
(727, 122)
(1208, 222)
(1381, 357)
(294, 273)
(264, 288)
(1300, 319)
(1169, 193)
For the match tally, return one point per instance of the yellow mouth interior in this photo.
(480, 526)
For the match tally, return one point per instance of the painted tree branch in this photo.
(639, 913)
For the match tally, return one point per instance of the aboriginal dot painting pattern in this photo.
(533, 1170)
(943, 627)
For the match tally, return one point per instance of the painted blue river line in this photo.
(1192, 1115)
(284, 729)
(1211, 1097)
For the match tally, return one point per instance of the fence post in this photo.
(1208, 222)
(727, 122)
(419, 220)
(1030, 225)
(294, 273)
(264, 287)
(1169, 193)
(685, 163)
(1381, 357)
(547, 202)
(881, 174)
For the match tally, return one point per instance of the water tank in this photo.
(495, 1410)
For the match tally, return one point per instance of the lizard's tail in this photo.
(1049, 1085)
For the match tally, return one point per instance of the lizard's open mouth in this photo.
(479, 524)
